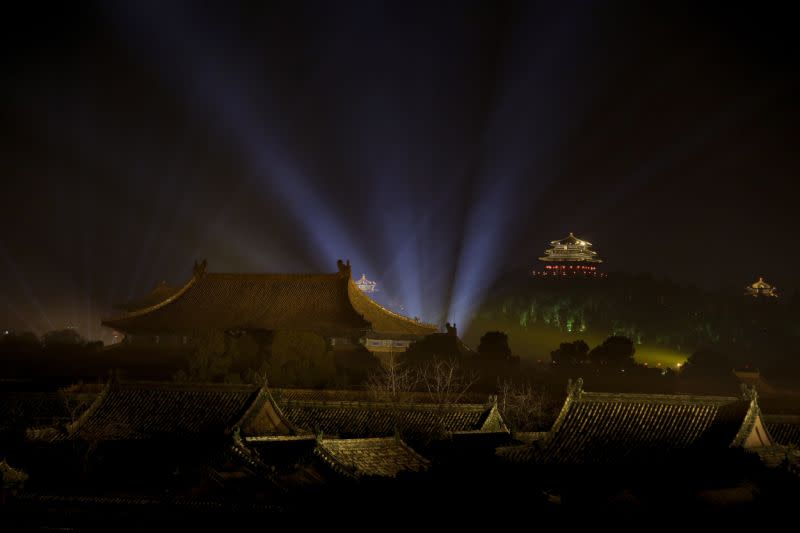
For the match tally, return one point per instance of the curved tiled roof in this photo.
(161, 292)
(10, 476)
(383, 320)
(761, 284)
(25, 409)
(329, 304)
(381, 419)
(784, 429)
(135, 411)
(595, 428)
(379, 457)
(570, 239)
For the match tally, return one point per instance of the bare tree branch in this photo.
(445, 382)
(522, 406)
(393, 381)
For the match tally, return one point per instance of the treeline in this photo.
(647, 310)
(285, 358)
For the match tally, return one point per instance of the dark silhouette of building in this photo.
(330, 305)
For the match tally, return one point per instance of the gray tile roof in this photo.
(784, 429)
(595, 428)
(376, 457)
(381, 419)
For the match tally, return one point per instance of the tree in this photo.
(392, 380)
(571, 353)
(445, 381)
(522, 406)
(438, 345)
(63, 338)
(23, 341)
(300, 358)
(209, 361)
(494, 346)
(614, 352)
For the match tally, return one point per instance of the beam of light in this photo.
(66, 126)
(241, 250)
(396, 133)
(23, 284)
(417, 258)
(21, 318)
(517, 162)
(154, 235)
(88, 292)
(218, 88)
(515, 145)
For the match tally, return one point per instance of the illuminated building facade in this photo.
(570, 257)
(761, 289)
(328, 304)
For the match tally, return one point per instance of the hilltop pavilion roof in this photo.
(604, 428)
(570, 239)
(328, 304)
(570, 249)
(761, 284)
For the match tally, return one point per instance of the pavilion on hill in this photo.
(570, 257)
(761, 289)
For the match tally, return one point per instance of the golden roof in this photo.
(329, 304)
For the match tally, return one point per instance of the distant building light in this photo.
(366, 285)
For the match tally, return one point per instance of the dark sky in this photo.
(434, 144)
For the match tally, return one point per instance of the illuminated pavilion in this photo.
(761, 288)
(570, 257)
(366, 285)
(330, 305)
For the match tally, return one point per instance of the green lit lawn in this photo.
(535, 342)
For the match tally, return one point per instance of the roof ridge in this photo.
(332, 275)
(263, 397)
(386, 405)
(279, 438)
(357, 440)
(187, 386)
(372, 302)
(494, 409)
(750, 420)
(76, 426)
(200, 273)
(781, 418)
(585, 395)
(145, 310)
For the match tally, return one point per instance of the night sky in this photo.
(435, 145)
